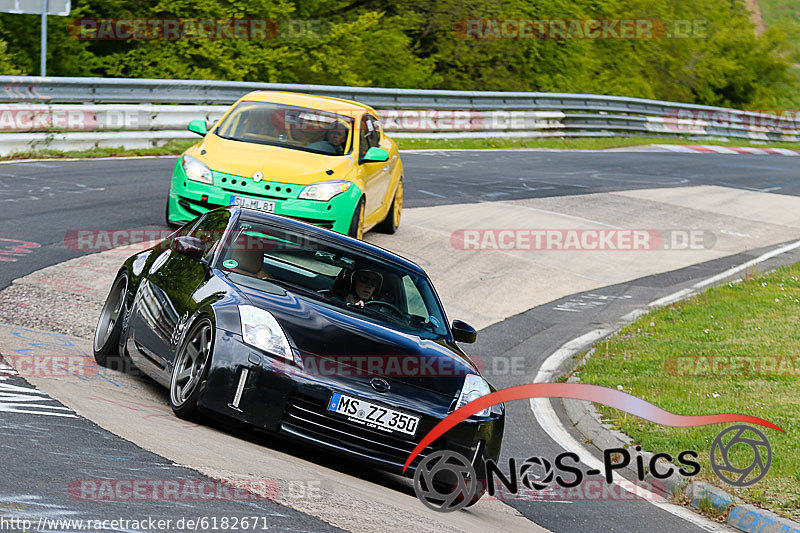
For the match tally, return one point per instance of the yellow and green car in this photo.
(321, 160)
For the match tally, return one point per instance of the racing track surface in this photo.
(42, 200)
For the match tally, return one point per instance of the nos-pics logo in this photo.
(446, 481)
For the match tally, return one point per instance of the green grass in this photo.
(596, 143)
(785, 13)
(583, 143)
(775, 11)
(757, 317)
(171, 148)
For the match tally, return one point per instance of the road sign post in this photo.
(43, 48)
(41, 8)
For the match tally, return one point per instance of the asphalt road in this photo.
(40, 202)
(61, 461)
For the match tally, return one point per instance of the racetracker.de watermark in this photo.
(581, 239)
(407, 366)
(580, 29)
(733, 365)
(786, 121)
(49, 366)
(173, 490)
(173, 29)
(97, 240)
(587, 490)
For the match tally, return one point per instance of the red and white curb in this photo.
(730, 150)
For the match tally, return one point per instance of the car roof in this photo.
(322, 103)
(325, 234)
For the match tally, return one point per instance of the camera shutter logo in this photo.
(742, 436)
(445, 481)
(530, 480)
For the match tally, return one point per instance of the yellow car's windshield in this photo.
(287, 126)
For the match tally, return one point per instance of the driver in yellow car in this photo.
(334, 142)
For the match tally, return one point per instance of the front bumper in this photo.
(282, 398)
(188, 199)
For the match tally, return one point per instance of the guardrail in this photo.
(77, 113)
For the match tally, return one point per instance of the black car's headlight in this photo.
(324, 190)
(474, 387)
(196, 170)
(260, 329)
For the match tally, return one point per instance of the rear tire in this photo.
(357, 223)
(191, 369)
(392, 220)
(109, 325)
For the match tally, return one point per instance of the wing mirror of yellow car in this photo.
(375, 155)
(198, 126)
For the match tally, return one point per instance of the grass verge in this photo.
(171, 148)
(660, 358)
(564, 143)
(590, 143)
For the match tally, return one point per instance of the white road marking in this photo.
(431, 193)
(546, 416)
(24, 400)
(748, 264)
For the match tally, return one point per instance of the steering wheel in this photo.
(395, 311)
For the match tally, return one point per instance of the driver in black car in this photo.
(364, 284)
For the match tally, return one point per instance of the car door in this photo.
(163, 306)
(371, 173)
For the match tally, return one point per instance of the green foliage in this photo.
(7, 67)
(423, 44)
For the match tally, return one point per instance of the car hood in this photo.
(330, 341)
(283, 165)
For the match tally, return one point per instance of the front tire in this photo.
(191, 369)
(109, 325)
(392, 220)
(357, 223)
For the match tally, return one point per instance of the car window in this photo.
(369, 136)
(210, 228)
(294, 127)
(375, 129)
(414, 301)
(334, 275)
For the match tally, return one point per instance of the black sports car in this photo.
(301, 331)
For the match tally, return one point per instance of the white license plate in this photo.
(253, 203)
(372, 415)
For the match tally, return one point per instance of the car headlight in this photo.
(195, 170)
(474, 387)
(324, 190)
(260, 329)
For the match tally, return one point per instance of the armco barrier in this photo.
(76, 113)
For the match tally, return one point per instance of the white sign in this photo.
(34, 7)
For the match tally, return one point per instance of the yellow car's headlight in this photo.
(196, 171)
(324, 190)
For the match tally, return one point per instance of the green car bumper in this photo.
(188, 199)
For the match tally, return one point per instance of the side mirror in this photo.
(198, 126)
(191, 247)
(375, 155)
(463, 332)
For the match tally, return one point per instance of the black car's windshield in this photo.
(287, 126)
(336, 276)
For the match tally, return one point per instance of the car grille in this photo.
(308, 418)
(327, 224)
(192, 205)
